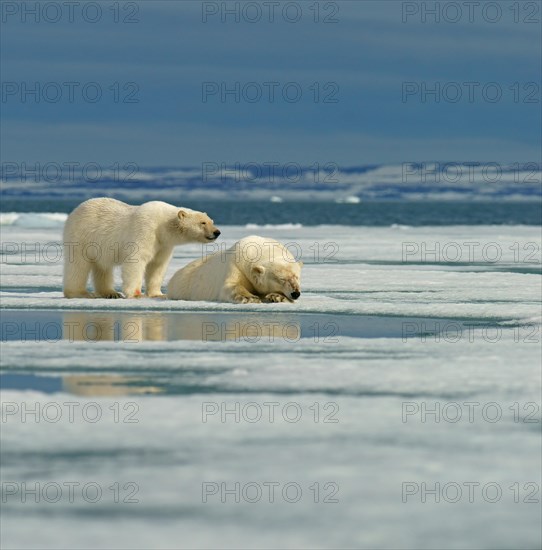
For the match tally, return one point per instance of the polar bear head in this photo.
(277, 277)
(197, 226)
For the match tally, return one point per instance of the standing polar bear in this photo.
(102, 233)
(255, 269)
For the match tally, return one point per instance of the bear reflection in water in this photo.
(107, 385)
(142, 327)
(80, 326)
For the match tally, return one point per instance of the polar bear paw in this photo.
(79, 294)
(276, 297)
(112, 295)
(246, 299)
(157, 295)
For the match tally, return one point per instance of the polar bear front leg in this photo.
(240, 295)
(132, 277)
(276, 297)
(154, 274)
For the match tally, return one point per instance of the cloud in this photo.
(369, 55)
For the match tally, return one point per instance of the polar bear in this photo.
(255, 269)
(103, 232)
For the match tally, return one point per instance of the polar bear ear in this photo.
(300, 264)
(258, 271)
(181, 214)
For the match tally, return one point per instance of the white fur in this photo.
(255, 269)
(102, 233)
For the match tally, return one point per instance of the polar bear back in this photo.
(201, 279)
(109, 221)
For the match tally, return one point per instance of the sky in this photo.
(351, 80)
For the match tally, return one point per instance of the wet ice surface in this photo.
(129, 393)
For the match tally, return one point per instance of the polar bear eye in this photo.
(203, 223)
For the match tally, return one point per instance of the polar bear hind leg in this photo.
(76, 272)
(103, 282)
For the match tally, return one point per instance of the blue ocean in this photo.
(373, 195)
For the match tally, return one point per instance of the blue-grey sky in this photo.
(368, 55)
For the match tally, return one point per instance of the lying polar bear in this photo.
(255, 269)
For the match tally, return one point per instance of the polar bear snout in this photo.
(281, 279)
(202, 229)
(289, 288)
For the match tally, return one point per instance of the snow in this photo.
(414, 334)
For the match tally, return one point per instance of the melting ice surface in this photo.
(306, 425)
